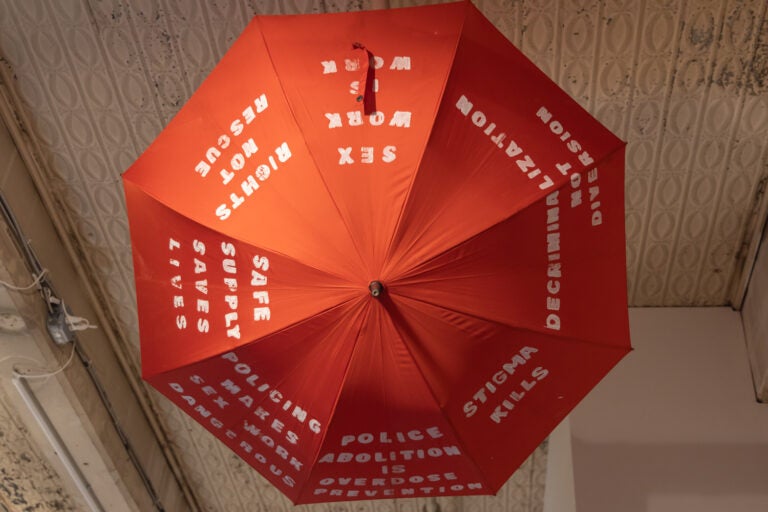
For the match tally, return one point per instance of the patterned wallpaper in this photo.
(684, 82)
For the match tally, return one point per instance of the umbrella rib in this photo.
(240, 239)
(309, 150)
(274, 333)
(429, 136)
(336, 399)
(543, 194)
(279, 382)
(447, 204)
(398, 327)
(509, 325)
(393, 311)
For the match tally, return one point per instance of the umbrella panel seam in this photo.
(540, 197)
(309, 151)
(439, 102)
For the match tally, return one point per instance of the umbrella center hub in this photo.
(376, 288)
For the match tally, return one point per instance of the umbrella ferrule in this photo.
(376, 288)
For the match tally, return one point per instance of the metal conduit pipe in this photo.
(15, 121)
(64, 336)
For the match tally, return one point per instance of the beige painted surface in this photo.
(71, 400)
(674, 427)
(755, 316)
(559, 488)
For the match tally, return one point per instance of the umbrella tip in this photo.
(376, 288)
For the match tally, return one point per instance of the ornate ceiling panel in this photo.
(685, 83)
(27, 481)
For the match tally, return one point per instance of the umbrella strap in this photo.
(367, 95)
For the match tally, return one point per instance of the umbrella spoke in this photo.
(270, 400)
(395, 452)
(500, 387)
(367, 160)
(204, 293)
(492, 153)
(530, 270)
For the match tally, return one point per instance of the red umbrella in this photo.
(379, 254)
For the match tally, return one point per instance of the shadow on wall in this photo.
(670, 478)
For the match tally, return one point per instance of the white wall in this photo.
(755, 317)
(559, 492)
(675, 427)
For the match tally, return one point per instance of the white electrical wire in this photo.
(20, 380)
(34, 284)
(17, 372)
(77, 323)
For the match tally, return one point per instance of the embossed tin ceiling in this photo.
(684, 82)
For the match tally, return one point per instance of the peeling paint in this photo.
(27, 482)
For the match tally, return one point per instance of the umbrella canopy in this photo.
(379, 254)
